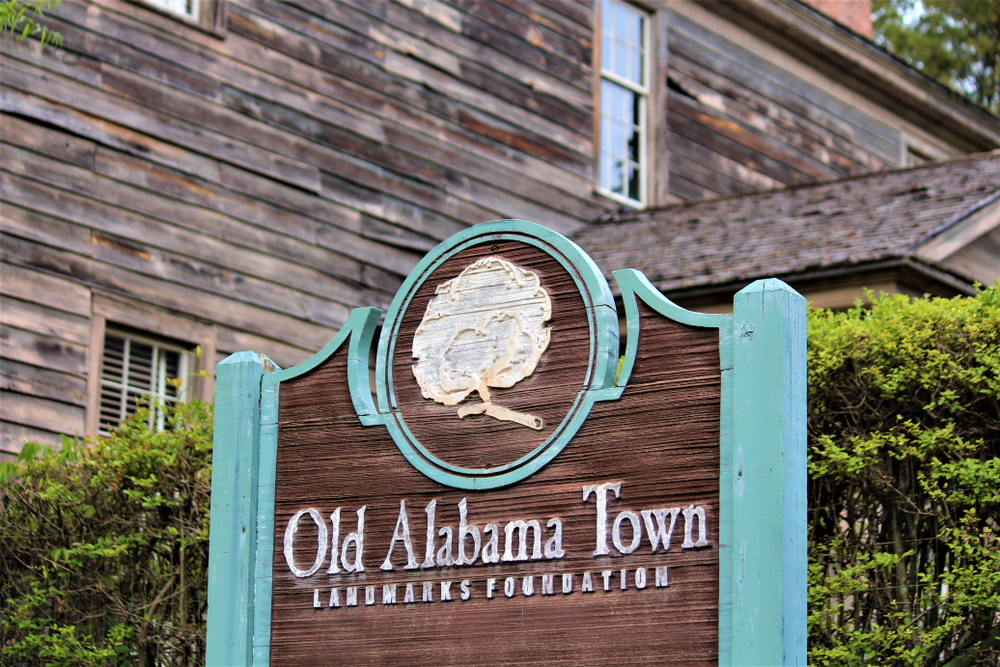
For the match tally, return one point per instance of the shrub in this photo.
(104, 550)
(904, 490)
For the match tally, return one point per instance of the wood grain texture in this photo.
(769, 454)
(478, 441)
(661, 440)
(36, 381)
(269, 181)
(42, 413)
(44, 351)
(231, 564)
(44, 320)
(13, 436)
(738, 123)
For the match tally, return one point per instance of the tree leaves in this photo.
(956, 42)
(20, 19)
(89, 537)
(904, 490)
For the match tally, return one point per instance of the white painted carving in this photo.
(689, 513)
(484, 328)
(616, 532)
(289, 542)
(601, 492)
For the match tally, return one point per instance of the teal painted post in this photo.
(769, 481)
(233, 532)
(267, 459)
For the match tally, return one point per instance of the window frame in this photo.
(648, 96)
(113, 313)
(212, 15)
(186, 360)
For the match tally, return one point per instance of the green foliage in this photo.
(104, 550)
(904, 496)
(956, 42)
(20, 19)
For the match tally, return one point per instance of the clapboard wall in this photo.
(246, 188)
(264, 182)
(739, 124)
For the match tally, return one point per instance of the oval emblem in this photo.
(493, 353)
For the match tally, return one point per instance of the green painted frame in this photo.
(762, 523)
(603, 319)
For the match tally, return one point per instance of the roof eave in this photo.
(926, 272)
(858, 63)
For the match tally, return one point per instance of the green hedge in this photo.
(904, 482)
(103, 551)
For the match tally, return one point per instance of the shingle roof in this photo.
(794, 231)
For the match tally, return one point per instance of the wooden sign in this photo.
(514, 484)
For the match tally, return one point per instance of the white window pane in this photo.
(133, 373)
(171, 363)
(622, 46)
(187, 8)
(622, 20)
(618, 177)
(630, 106)
(621, 59)
(633, 181)
(622, 117)
(610, 98)
(617, 146)
(635, 29)
(633, 144)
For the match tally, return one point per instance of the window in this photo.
(915, 156)
(624, 92)
(135, 349)
(207, 15)
(186, 8)
(135, 369)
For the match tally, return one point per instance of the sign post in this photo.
(513, 483)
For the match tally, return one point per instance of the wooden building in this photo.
(220, 176)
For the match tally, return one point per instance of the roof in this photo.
(858, 63)
(849, 222)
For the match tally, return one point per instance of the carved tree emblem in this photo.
(484, 328)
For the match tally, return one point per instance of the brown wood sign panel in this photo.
(516, 488)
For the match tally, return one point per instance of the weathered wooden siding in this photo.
(261, 182)
(740, 124)
(44, 334)
(267, 182)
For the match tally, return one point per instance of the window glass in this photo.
(623, 93)
(135, 371)
(188, 8)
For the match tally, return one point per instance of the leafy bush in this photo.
(904, 490)
(104, 550)
(20, 19)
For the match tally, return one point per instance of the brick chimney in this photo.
(855, 14)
